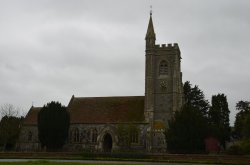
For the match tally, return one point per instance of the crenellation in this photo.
(176, 46)
(168, 46)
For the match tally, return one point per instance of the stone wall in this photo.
(28, 139)
(89, 142)
(89, 138)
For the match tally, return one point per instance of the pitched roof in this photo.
(31, 117)
(106, 109)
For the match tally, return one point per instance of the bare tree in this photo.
(9, 126)
(9, 110)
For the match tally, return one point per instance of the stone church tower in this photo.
(163, 84)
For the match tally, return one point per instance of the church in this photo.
(137, 123)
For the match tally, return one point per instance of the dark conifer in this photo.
(188, 128)
(219, 118)
(53, 126)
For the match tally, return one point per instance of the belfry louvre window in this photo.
(163, 68)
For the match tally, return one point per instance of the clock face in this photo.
(163, 84)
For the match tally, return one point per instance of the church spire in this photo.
(150, 36)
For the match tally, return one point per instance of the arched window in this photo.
(159, 141)
(76, 135)
(163, 68)
(134, 136)
(30, 136)
(94, 136)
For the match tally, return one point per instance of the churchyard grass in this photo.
(54, 163)
(81, 163)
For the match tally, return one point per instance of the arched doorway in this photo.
(107, 143)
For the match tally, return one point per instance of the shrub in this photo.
(242, 148)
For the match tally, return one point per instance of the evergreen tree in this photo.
(244, 110)
(245, 127)
(187, 131)
(53, 125)
(195, 98)
(188, 128)
(219, 118)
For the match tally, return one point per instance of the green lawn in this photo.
(53, 163)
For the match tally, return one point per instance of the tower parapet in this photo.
(169, 46)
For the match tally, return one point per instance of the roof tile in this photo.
(106, 109)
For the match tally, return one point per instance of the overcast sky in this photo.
(52, 49)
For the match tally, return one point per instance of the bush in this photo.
(242, 148)
(235, 150)
(245, 146)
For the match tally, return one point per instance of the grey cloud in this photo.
(50, 50)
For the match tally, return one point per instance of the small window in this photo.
(163, 68)
(30, 136)
(134, 137)
(94, 136)
(159, 141)
(76, 135)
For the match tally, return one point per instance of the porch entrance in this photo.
(107, 143)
